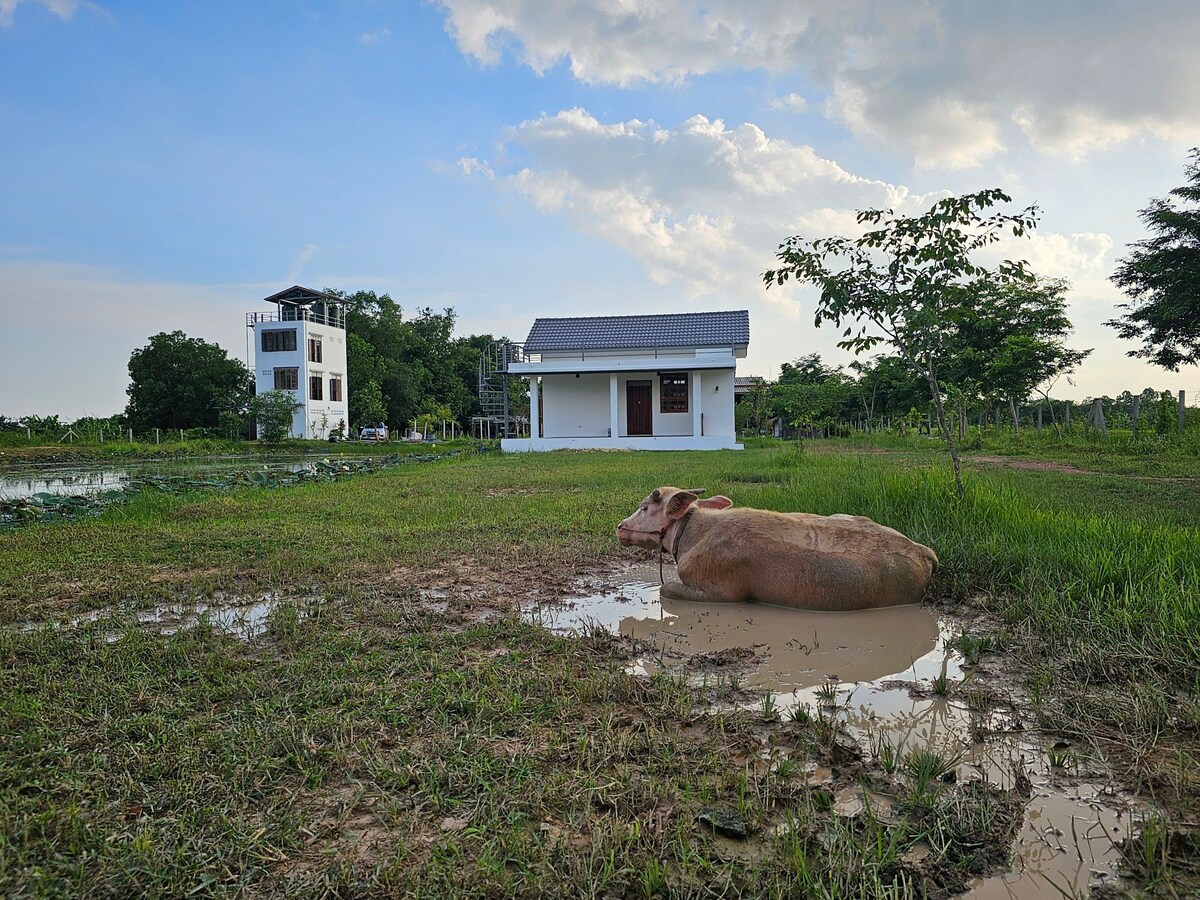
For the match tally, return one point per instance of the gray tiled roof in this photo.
(697, 329)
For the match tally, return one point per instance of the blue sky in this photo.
(167, 165)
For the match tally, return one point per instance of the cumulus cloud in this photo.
(952, 83)
(793, 102)
(701, 205)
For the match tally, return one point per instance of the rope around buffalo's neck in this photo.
(675, 544)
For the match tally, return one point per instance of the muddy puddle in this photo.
(887, 675)
(239, 617)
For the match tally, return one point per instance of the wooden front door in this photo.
(638, 418)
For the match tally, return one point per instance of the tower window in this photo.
(315, 383)
(314, 350)
(335, 388)
(287, 379)
(279, 339)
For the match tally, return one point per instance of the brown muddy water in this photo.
(877, 670)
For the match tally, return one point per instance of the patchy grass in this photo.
(382, 746)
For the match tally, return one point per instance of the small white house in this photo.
(654, 382)
(301, 347)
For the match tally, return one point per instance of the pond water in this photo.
(876, 671)
(88, 479)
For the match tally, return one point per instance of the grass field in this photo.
(381, 743)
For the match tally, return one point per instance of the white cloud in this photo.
(793, 102)
(951, 83)
(470, 165)
(64, 9)
(702, 206)
(374, 37)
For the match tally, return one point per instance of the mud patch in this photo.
(887, 682)
(239, 617)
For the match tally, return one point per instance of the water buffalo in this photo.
(800, 560)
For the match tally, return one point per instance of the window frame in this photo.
(315, 353)
(279, 340)
(674, 392)
(294, 379)
(316, 387)
(335, 389)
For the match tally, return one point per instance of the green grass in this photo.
(163, 765)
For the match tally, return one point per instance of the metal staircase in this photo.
(493, 383)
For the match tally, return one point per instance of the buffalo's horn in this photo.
(697, 491)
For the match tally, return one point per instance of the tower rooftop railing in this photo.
(332, 317)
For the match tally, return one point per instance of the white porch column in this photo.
(613, 431)
(535, 430)
(696, 411)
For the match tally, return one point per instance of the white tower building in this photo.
(301, 348)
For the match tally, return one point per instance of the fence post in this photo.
(1098, 417)
(156, 436)
(1039, 427)
(131, 435)
(1067, 420)
(1182, 417)
(102, 435)
(1137, 411)
(181, 435)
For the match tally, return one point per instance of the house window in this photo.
(335, 388)
(314, 350)
(279, 339)
(315, 383)
(287, 379)
(673, 393)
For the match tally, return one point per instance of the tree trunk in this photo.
(1053, 417)
(946, 433)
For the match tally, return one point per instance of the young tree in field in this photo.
(182, 382)
(273, 411)
(908, 282)
(1162, 278)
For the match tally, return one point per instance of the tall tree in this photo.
(1161, 275)
(1013, 342)
(182, 382)
(907, 282)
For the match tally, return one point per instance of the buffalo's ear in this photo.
(679, 503)
(717, 502)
